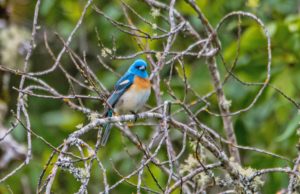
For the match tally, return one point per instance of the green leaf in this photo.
(290, 130)
(293, 23)
(251, 40)
(180, 72)
(284, 81)
(46, 6)
(64, 119)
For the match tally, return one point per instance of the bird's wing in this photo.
(121, 86)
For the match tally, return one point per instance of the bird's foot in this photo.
(136, 116)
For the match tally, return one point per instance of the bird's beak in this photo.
(142, 68)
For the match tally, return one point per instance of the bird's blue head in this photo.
(139, 68)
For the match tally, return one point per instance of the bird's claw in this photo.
(136, 116)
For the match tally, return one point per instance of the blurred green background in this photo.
(271, 124)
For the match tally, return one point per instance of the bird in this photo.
(130, 94)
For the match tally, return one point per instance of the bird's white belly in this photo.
(132, 100)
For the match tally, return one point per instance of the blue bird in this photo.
(130, 94)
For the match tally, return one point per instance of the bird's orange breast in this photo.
(141, 83)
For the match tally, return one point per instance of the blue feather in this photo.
(113, 99)
(138, 68)
(120, 88)
(107, 128)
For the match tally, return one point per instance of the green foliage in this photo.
(270, 125)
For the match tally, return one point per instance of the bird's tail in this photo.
(107, 128)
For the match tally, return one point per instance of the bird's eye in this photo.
(142, 68)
